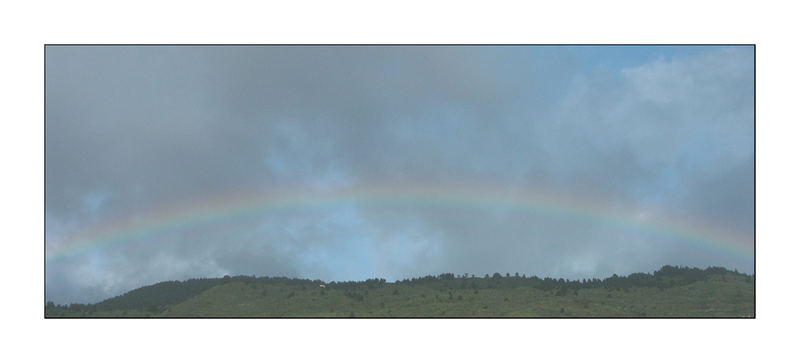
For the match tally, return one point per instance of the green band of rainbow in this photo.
(475, 197)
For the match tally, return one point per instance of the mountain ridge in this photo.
(669, 291)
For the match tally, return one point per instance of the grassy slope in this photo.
(714, 294)
(717, 298)
(701, 299)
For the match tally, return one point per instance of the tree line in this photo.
(667, 276)
(156, 298)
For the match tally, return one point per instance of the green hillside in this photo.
(668, 292)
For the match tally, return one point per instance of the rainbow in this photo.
(237, 205)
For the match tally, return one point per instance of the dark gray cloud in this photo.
(131, 129)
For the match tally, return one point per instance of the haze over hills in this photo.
(669, 292)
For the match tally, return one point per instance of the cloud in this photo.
(133, 129)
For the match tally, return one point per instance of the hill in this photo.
(669, 292)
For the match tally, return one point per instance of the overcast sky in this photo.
(662, 134)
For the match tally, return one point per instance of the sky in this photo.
(348, 163)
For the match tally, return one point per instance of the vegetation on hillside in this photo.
(669, 292)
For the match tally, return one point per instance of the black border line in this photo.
(400, 45)
(44, 212)
(755, 310)
(44, 159)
